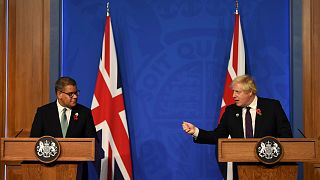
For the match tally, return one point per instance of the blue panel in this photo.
(173, 56)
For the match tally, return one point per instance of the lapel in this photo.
(56, 119)
(259, 119)
(238, 121)
(73, 120)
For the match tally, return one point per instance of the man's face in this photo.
(242, 98)
(68, 97)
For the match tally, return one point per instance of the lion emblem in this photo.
(269, 150)
(47, 149)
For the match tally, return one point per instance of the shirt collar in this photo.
(254, 103)
(60, 107)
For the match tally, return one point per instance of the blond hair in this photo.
(247, 83)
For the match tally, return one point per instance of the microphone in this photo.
(19, 133)
(301, 133)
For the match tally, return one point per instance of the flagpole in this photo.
(236, 67)
(108, 8)
(109, 113)
(237, 6)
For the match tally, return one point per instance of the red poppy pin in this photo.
(258, 111)
(75, 116)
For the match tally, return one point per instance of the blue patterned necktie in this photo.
(249, 132)
(64, 122)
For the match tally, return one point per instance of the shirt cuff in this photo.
(196, 133)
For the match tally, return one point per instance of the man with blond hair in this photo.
(249, 117)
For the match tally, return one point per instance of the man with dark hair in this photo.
(249, 117)
(65, 117)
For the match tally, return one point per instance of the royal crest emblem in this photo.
(47, 149)
(269, 150)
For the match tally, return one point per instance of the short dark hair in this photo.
(63, 82)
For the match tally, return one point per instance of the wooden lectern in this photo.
(15, 150)
(243, 151)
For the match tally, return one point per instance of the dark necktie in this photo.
(64, 122)
(249, 133)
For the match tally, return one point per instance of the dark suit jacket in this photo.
(272, 122)
(47, 122)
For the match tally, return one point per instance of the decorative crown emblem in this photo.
(269, 150)
(47, 149)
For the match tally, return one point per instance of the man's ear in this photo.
(59, 94)
(251, 93)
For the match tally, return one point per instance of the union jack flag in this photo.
(236, 67)
(109, 113)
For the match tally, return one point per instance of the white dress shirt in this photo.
(253, 110)
(60, 110)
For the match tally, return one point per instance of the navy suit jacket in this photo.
(47, 123)
(272, 121)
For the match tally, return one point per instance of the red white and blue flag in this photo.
(236, 67)
(109, 114)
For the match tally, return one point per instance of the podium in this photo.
(242, 151)
(17, 150)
